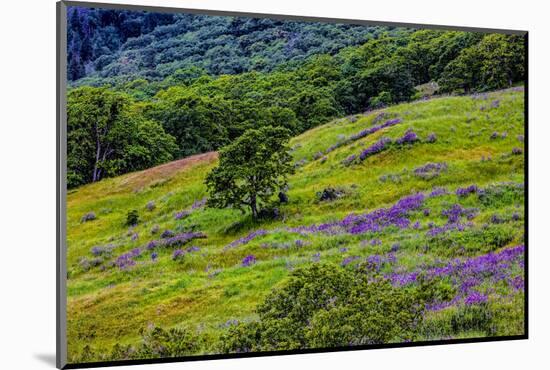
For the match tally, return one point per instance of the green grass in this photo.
(209, 287)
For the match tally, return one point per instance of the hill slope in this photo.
(119, 282)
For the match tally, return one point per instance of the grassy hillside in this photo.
(119, 283)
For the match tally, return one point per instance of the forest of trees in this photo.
(123, 125)
(115, 45)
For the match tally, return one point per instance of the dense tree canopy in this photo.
(107, 136)
(115, 45)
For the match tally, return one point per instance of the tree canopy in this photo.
(251, 170)
(107, 136)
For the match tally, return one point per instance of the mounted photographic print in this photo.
(235, 184)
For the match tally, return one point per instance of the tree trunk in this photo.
(95, 174)
(253, 206)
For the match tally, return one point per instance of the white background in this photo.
(27, 182)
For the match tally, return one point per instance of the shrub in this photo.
(283, 197)
(330, 194)
(157, 342)
(323, 305)
(132, 218)
(90, 216)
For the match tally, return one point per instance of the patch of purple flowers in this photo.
(167, 234)
(409, 137)
(470, 274)
(126, 260)
(178, 254)
(248, 260)
(349, 260)
(377, 147)
(430, 170)
(464, 192)
(437, 192)
(246, 239)
(199, 203)
(432, 138)
(181, 239)
(517, 151)
(349, 160)
(181, 215)
(474, 298)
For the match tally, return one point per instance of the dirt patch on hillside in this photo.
(157, 174)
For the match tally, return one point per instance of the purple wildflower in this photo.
(167, 234)
(246, 239)
(316, 257)
(518, 283)
(494, 135)
(126, 260)
(430, 170)
(181, 215)
(178, 254)
(438, 191)
(249, 260)
(517, 151)
(495, 219)
(409, 138)
(99, 250)
(432, 138)
(181, 239)
(463, 192)
(349, 260)
(475, 298)
(154, 256)
(152, 244)
(150, 205)
(349, 160)
(377, 147)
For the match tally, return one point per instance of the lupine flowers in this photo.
(359, 135)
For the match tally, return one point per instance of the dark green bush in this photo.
(324, 305)
(132, 218)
